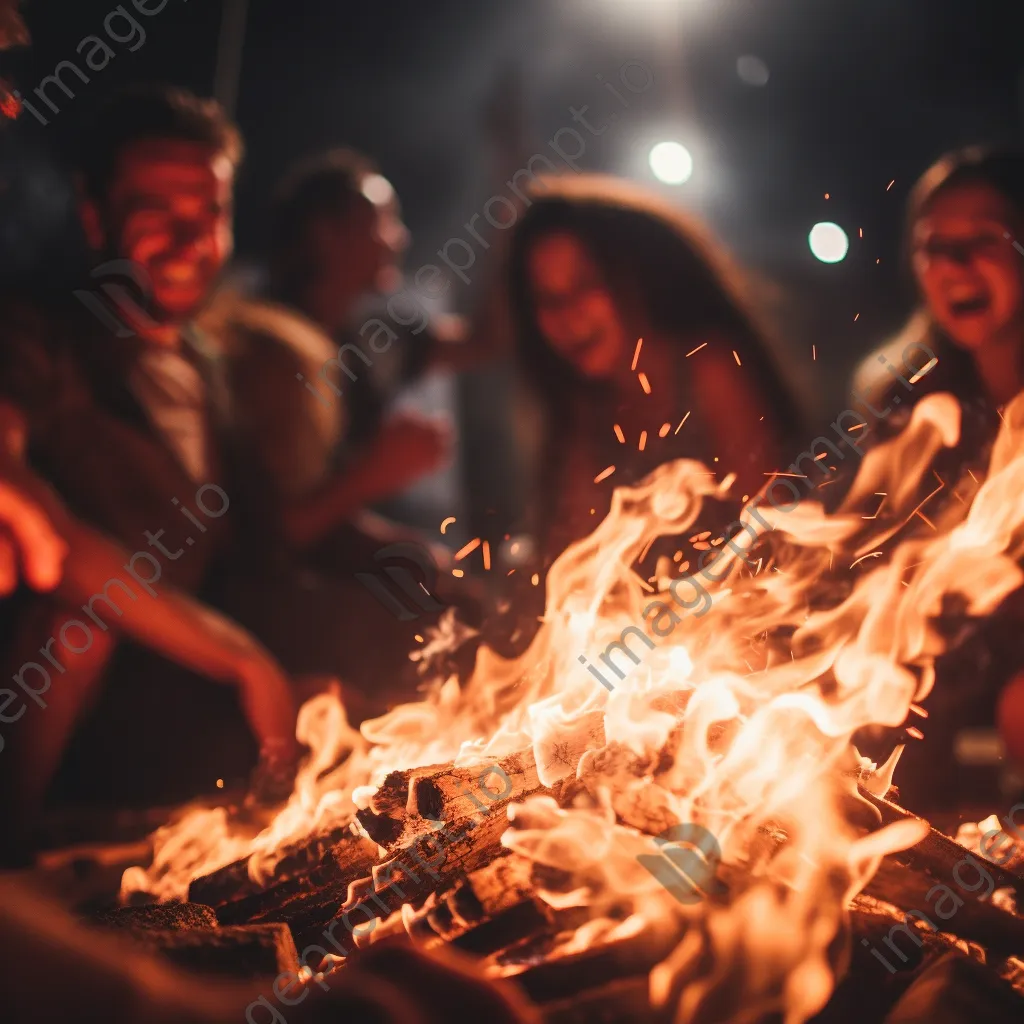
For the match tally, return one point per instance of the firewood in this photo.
(435, 860)
(955, 990)
(488, 910)
(627, 1001)
(938, 855)
(384, 818)
(868, 988)
(919, 892)
(432, 863)
(309, 913)
(320, 856)
(463, 792)
(565, 976)
(251, 951)
(162, 917)
(349, 859)
(410, 803)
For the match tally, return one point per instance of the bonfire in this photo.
(655, 811)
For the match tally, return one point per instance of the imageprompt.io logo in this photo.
(117, 309)
(395, 587)
(687, 863)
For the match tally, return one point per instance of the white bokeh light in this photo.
(671, 163)
(828, 242)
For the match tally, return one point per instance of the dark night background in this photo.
(861, 92)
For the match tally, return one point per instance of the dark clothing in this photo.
(671, 424)
(954, 373)
(982, 654)
(310, 609)
(90, 437)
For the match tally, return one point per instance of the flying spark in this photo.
(636, 354)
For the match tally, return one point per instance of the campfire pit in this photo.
(678, 828)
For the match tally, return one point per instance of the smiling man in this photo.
(121, 397)
(157, 182)
(125, 415)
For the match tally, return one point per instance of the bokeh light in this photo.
(752, 70)
(671, 163)
(828, 242)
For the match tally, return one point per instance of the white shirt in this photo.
(173, 393)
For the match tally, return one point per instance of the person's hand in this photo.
(409, 447)
(270, 708)
(30, 546)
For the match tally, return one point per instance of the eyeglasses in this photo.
(985, 242)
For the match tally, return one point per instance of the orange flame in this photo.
(736, 714)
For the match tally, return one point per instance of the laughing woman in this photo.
(596, 265)
(965, 223)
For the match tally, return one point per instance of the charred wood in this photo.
(252, 951)
(351, 858)
(313, 854)
(955, 990)
(409, 804)
(621, 1002)
(937, 902)
(938, 855)
(161, 917)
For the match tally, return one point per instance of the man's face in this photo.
(168, 209)
(361, 250)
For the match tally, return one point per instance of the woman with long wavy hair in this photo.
(596, 265)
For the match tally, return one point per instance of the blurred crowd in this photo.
(161, 387)
(244, 442)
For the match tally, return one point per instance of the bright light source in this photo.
(828, 242)
(378, 189)
(671, 163)
(752, 70)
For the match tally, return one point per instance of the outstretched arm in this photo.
(37, 533)
(406, 448)
(186, 632)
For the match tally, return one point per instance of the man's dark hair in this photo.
(327, 184)
(151, 112)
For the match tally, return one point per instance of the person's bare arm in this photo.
(184, 631)
(460, 345)
(36, 531)
(405, 449)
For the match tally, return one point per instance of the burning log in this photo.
(487, 911)
(935, 902)
(251, 951)
(161, 917)
(921, 880)
(937, 854)
(321, 854)
(626, 1001)
(871, 986)
(955, 990)
(563, 977)
(349, 859)
(441, 857)
(409, 804)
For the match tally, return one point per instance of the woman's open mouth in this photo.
(971, 306)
